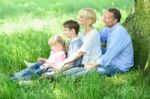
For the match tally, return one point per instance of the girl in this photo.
(57, 55)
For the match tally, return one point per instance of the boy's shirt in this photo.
(75, 45)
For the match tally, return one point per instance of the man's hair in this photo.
(71, 24)
(116, 13)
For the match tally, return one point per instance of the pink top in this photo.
(56, 57)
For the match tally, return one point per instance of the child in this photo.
(57, 55)
(71, 29)
(91, 48)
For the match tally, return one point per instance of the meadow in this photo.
(26, 26)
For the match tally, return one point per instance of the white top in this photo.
(91, 47)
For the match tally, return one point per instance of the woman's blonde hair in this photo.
(57, 39)
(89, 13)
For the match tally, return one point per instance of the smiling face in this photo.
(109, 19)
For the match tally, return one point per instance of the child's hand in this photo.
(44, 66)
(50, 65)
(61, 66)
(40, 59)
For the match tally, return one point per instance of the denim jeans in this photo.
(108, 70)
(73, 71)
(78, 72)
(29, 72)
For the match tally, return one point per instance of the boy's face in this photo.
(68, 32)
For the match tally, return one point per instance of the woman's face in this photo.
(83, 19)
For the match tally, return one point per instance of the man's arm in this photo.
(119, 42)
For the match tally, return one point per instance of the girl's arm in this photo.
(40, 59)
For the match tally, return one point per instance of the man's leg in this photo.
(109, 70)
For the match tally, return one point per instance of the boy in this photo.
(71, 29)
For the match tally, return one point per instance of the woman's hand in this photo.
(90, 65)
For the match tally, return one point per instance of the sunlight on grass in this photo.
(26, 26)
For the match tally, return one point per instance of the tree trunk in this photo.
(138, 25)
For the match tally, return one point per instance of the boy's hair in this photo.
(116, 13)
(71, 24)
(57, 39)
(89, 13)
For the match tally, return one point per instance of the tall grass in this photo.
(26, 26)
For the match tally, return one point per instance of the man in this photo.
(119, 50)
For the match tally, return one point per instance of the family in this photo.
(106, 52)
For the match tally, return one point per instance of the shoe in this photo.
(48, 74)
(25, 82)
(28, 64)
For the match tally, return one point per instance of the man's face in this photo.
(67, 32)
(109, 19)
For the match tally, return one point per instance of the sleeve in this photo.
(77, 46)
(118, 43)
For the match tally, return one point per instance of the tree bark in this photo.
(138, 25)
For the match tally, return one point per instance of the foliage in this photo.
(26, 26)
(138, 25)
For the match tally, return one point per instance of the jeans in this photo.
(30, 71)
(78, 72)
(108, 70)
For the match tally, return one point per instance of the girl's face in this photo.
(56, 47)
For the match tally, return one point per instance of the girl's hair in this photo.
(57, 39)
(89, 13)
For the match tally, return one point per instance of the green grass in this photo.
(26, 26)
